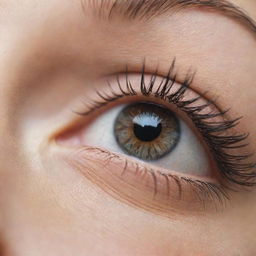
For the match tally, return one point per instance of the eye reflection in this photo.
(147, 127)
(147, 131)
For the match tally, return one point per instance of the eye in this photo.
(157, 143)
(151, 133)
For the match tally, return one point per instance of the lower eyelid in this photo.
(134, 184)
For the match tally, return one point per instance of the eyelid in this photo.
(138, 185)
(114, 90)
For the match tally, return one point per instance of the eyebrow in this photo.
(148, 9)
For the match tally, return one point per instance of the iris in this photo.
(146, 130)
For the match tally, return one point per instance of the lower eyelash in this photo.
(234, 168)
(203, 192)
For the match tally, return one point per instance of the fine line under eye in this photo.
(211, 122)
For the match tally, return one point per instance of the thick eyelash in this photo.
(235, 168)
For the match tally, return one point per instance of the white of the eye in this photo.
(187, 157)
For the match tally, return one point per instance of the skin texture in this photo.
(52, 53)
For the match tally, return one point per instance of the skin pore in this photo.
(53, 54)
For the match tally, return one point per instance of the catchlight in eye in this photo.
(147, 131)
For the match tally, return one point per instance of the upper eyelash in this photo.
(234, 168)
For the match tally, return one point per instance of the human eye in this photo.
(154, 141)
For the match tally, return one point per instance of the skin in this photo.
(50, 55)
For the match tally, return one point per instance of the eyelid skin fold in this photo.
(138, 185)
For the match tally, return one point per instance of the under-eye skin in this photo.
(154, 100)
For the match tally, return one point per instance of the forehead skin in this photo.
(53, 216)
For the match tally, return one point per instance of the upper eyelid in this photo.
(173, 76)
(209, 104)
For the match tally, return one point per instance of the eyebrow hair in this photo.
(148, 9)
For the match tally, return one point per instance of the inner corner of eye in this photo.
(148, 132)
(68, 138)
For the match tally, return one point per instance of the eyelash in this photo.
(234, 168)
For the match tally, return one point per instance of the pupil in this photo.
(147, 128)
(147, 131)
